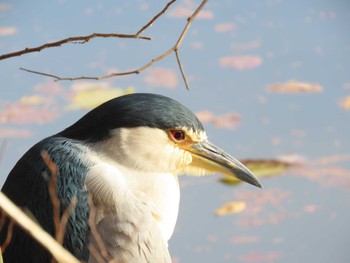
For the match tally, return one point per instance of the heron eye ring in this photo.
(178, 135)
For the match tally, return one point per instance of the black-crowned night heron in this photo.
(126, 154)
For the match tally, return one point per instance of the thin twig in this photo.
(75, 40)
(189, 22)
(36, 231)
(154, 18)
(181, 69)
(64, 220)
(52, 190)
(94, 232)
(94, 253)
(56, 77)
(147, 65)
(9, 235)
(2, 220)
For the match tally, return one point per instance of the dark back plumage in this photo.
(28, 187)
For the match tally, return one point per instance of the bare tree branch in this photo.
(85, 39)
(75, 40)
(150, 63)
(56, 77)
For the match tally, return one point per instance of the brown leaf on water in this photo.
(51, 89)
(243, 62)
(186, 9)
(24, 113)
(162, 77)
(327, 160)
(15, 133)
(345, 103)
(311, 208)
(262, 219)
(175, 260)
(231, 208)
(328, 176)
(269, 256)
(293, 86)
(228, 121)
(293, 159)
(7, 30)
(265, 207)
(329, 170)
(244, 239)
(224, 27)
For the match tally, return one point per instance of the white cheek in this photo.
(145, 149)
(155, 152)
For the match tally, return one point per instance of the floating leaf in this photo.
(243, 62)
(244, 239)
(34, 99)
(311, 208)
(345, 103)
(228, 121)
(90, 98)
(332, 159)
(293, 86)
(260, 168)
(15, 133)
(268, 256)
(24, 113)
(162, 77)
(231, 208)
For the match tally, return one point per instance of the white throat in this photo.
(162, 190)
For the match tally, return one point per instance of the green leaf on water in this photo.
(260, 168)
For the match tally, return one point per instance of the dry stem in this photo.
(9, 235)
(103, 251)
(52, 190)
(60, 223)
(64, 220)
(36, 231)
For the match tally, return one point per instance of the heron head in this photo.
(153, 133)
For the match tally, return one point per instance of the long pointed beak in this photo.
(212, 158)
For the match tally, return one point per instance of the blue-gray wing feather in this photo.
(28, 186)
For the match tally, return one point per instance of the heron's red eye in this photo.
(178, 135)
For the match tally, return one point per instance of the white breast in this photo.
(113, 184)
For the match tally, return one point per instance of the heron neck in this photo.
(162, 190)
